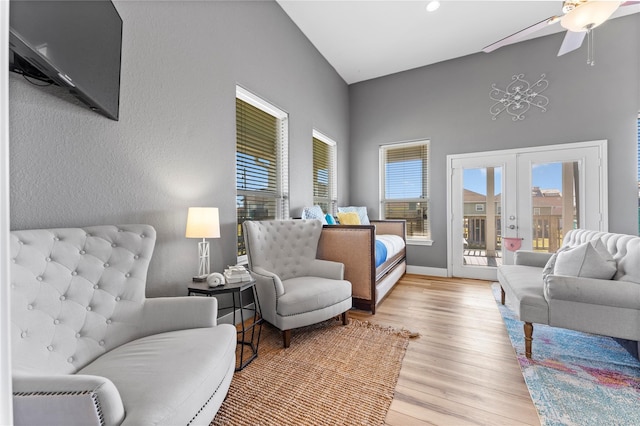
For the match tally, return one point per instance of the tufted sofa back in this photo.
(76, 293)
(284, 247)
(624, 248)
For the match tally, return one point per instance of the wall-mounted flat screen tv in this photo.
(74, 44)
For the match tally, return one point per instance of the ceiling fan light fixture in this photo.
(588, 15)
(432, 6)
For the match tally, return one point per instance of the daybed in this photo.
(355, 247)
(592, 284)
(89, 349)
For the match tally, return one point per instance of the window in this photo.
(262, 182)
(325, 192)
(479, 207)
(404, 186)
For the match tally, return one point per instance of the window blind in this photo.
(261, 165)
(406, 183)
(256, 150)
(324, 175)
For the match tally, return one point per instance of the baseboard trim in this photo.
(228, 318)
(426, 270)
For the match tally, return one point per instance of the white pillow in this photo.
(362, 213)
(314, 212)
(551, 263)
(589, 260)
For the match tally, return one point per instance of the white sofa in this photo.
(609, 307)
(89, 349)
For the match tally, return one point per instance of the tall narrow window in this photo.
(262, 182)
(325, 192)
(404, 187)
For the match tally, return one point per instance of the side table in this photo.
(247, 333)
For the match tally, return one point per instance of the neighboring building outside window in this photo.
(404, 187)
(325, 191)
(262, 181)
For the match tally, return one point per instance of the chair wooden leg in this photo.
(528, 338)
(286, 338)
(345, 318)
(502, 295)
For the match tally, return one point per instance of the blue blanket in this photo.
(381, 253)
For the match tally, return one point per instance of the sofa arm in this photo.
(161, 314)
(326, 269)
(269, 287)
(531, 258)
(619, 294)
(354, 247)
(66, 400)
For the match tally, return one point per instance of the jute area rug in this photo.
(330, 375)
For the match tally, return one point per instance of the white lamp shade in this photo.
(589, 15)
(203, 222)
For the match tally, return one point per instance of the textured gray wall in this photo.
(448, 103)
(174, 145)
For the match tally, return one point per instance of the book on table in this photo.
(237, 274)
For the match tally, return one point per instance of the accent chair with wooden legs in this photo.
(295, 289)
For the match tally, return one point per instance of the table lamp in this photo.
(203, 222)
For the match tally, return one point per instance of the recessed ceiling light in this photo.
(433, 6)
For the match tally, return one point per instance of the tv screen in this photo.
(74, 44)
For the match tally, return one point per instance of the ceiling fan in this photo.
(579, 18)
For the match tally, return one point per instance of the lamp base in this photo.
(199, 278)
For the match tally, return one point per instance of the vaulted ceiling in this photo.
(365, 39)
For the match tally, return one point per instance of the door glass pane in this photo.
(553, 196)
(482, 216)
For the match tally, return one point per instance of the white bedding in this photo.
(393, 243)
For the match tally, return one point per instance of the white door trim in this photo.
(602, 202)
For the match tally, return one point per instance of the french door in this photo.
(529, 198)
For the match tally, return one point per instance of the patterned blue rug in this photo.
(576, 378)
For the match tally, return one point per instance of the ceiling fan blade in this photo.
(520, 34)
(571, 42)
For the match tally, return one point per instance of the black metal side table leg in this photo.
(257, 318)
(245, 333)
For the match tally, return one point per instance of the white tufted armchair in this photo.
(89, 349)
(295, 289)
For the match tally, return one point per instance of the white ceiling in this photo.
(364, 39)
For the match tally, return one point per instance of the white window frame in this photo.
(411, 240)
(282, 207)
(479, 207)
(333, 171)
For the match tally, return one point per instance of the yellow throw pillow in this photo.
(350, 218)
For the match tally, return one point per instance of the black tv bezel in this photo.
(25, 52)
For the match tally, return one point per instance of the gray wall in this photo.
(174, 145)
(448, 103)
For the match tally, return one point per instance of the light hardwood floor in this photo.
(462, 370)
